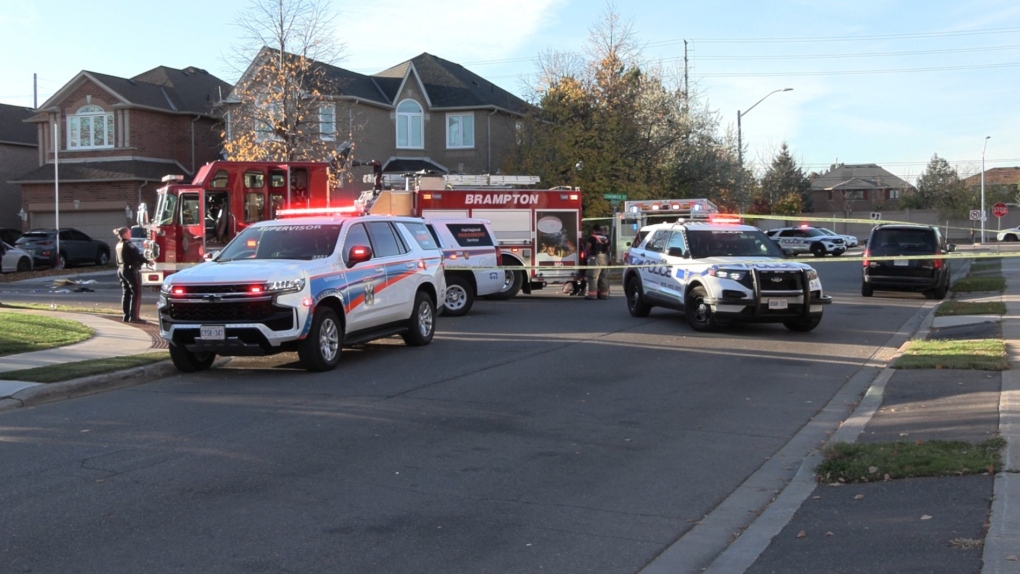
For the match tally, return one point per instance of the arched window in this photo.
(90, 127)
(409, 125)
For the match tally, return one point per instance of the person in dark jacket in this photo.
(597, 250)
(129, 269)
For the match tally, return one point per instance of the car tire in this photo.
(103, 257)
(24, 265)
(699, 314)
(61, 262)
(1010, 237)
(459, 296)
(635, 298)
(320, 350)
(188, 362)
(939, 293)
(421, 326)
(818, 250)
(803, 325)
(512, 282)
(866, 290)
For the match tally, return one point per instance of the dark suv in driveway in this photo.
(903, 257)
(75, 247)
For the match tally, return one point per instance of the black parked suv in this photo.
(911, 260)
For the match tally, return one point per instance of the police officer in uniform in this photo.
(129, 267)
(597, 249)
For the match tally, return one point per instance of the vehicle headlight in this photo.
(812, 274)
(285, 286)
(734, 274)
(165, 288)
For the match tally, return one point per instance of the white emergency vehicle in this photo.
(719, 272)
(471, 260)
(805, 239)
(307, 284)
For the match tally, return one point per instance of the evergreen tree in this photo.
(784, 188)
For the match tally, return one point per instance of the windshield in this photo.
(735, 243)
(827, 231)
(165, 209)
(283, 241)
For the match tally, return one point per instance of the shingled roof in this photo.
(121, 170)
(188, 91)
(996, 176)
(447, 85)
(13, 129)
(857, 176)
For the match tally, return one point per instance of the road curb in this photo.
(51, 392)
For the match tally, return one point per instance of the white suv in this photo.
(798, 240)
(471, 258)
(311, 285)
(721, 272)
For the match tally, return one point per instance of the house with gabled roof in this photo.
(17, 155)
(1009, 176)
(426, 113)
(857, 187)
(105, 143)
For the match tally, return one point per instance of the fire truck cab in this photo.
(197, 218)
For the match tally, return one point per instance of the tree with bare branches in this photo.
(284, 108)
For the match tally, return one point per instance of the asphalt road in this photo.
(545, 433)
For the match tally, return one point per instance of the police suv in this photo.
(308, 284)
(718, 273)
(804, 239)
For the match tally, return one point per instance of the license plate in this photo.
(212, 333)
(901, 262)
(778, 304)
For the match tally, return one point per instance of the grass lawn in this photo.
(952, 308)
(24, 332)
(68, 371)
(873, 462)
(977, 284)
(981, 354)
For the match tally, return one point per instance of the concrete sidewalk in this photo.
(112, 339)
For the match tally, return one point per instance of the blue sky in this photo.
(874, 81)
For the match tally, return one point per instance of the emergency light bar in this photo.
(296, 211)
(721, 218)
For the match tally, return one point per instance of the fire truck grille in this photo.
(781, 280)
(273, 316)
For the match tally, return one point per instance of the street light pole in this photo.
(983, 148)
(740, 148)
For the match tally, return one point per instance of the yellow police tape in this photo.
(759, 261)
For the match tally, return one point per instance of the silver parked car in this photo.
(15, 260)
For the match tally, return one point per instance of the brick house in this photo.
(426, 113)
(117, 138)
(857, 187)
(17, 156)
(1007, 176)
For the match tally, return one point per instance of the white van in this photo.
(471, 258)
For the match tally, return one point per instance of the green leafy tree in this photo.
(785, 189)
(939, 187)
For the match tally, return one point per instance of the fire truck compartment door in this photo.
(444, 213)
(509, 225)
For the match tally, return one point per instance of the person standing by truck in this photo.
(597, 250)
(129, 267)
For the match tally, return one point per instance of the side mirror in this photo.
(951, 247)
(211, 255)
(358, 254)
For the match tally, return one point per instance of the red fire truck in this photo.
(192, 219)
(538, 230)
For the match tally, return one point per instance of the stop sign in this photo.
(999, 209)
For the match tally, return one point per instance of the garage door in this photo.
(95, 224)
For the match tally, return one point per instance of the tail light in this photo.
(937, 262)
(867, 254)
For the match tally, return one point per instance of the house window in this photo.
(327, 122)
(894, 194)
(267, 114)
(409, 125)
(91, 127)
(460, 130)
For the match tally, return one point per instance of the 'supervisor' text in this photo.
(501, 199)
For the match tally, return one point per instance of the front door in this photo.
(191, 244)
